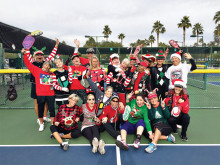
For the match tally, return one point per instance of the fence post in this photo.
(205, 78)
(2, 60)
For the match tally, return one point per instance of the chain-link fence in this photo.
(203, 88)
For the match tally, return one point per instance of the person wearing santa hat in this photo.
(141, 79)
(158, 78)
(178, 103)
(148, 59)
(179, 70)
(158, 113)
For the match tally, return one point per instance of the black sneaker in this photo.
(184, 138)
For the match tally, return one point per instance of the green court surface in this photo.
(20, 127)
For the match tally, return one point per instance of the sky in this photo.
(70, 19)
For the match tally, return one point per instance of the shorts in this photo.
(132, 128)
(164, 128)
(33, 91)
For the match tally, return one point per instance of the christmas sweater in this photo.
(38, 64)
(98, 77)
(133, 71)
(111, 114)
(141, 81)
(138, 113)
(63, 80)
(174, 101)
(66, 116)
(157, 114)
(77, 74)
(89, 115)
(158, 78)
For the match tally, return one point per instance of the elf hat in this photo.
(160, 55)
(177, 54)
(178, 83)
(148, 57)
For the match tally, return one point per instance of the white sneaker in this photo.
(65, 146)
(38, 121)
(102, 147)
(179, 126)
(95, 144)
(41, 128)
(119, 137)
(47, 119)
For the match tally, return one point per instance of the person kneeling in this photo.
(158, 114)
(65, 123)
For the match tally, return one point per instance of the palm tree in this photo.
(217, 34)
(197, 29)
(217, 17)
(158, 28)
(107, 31)
(151, 39)
(184, 23)
(121, 37)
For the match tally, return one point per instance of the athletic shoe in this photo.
(184, 138)
(126, 113)
(171, 138)
(101, 147)
(119, 137)
(47, 119)
(151, 148)
(64, 146)
(52, 137)
(38, 121)
(122, 144)
(179, 126)
(136, 143)
(95, 144)
(41, 128)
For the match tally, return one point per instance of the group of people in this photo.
(144, 97)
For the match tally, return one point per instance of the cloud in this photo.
(71, 19)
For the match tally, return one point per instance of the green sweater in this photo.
(158, 114)
(141, 113)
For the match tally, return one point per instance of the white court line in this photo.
(48, 145)
(118, 155)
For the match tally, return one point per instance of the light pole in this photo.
(193, 35)
(96, 41)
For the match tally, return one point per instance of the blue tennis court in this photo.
(215, 83)
(165, 154)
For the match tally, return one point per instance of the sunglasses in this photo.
(115, 101)
(91, 99)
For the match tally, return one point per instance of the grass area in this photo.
(20, 127)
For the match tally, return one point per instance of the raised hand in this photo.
(148, 105)
(23, 51)
(130, 95)
(77, 43)
(57, 42)
(187, 56)
(163, 103)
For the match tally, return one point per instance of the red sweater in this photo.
(184, 106)
(111, 114)
(137, 81)
(77, 71)
(44, 80)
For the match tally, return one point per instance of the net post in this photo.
(205, 78)
(2, 59)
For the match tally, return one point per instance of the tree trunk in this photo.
(157, 39)
(184, 35)
(197, 39)
(151, 44)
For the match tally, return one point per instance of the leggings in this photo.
(75, 133)
(91, 132)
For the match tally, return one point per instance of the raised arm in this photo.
(54, 51)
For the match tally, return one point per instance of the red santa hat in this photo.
(178, 83)
(177, 54)
(148, 57)
(114, 55)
